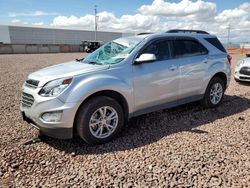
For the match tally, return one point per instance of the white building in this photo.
(38, 35)
(245, 45)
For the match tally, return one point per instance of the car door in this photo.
(193, 60)
(156, 83)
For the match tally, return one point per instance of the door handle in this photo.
(172, 67)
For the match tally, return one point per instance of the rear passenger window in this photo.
(161, 49)
(184, 48)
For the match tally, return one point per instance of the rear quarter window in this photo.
(216, 43)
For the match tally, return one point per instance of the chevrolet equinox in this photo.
(95, 96)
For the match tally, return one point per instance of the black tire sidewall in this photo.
(206, 100)
(85, 112)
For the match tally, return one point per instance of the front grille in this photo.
(245, 71)
(27, 100)
(244, 78)
(31, 83)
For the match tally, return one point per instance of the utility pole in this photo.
(228, 34)
(96, 20)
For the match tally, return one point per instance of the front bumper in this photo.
(62, 129)
(55, 132)
(241, 77)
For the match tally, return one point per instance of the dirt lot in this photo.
(188, 146)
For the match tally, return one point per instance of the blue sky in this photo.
(132, 16)
(65, 7)
(82, 7)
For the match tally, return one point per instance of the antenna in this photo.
(228, 34)
(96, 20)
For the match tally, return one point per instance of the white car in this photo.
(242, 70)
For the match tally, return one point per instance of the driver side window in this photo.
(161, 49)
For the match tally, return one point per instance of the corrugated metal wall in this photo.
(30, 35)
(4, 34)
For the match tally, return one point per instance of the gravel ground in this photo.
(188, 146)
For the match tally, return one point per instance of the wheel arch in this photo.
(222, 76)
(206, 100)
(108, 93)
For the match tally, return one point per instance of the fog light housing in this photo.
(52, 116)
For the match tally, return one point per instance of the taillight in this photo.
(67, 81)
(229, 59)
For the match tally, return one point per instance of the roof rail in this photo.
(144, 33)
(186, 31)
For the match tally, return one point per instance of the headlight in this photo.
(55, 87)
(241, 62)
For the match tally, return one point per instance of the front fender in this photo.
(82, 88)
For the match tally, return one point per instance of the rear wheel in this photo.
(214, 93)
(99, 120)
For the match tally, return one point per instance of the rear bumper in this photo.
(55, 132)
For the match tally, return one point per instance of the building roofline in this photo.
(58, 28)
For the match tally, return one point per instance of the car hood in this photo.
(65, 70)
(247, 62)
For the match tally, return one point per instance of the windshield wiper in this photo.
(93, 63)
(89, 62)
(80, 59)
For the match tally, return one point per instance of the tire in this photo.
(209, 101)
(41, 135)
(93, 126)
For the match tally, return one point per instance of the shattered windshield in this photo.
(113, 52)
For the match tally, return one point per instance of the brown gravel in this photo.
(188, 146)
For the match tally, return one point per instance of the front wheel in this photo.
(214, 93)
(99, 120)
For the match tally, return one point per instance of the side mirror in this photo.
(144, 58)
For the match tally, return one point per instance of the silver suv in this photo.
(94, 97)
